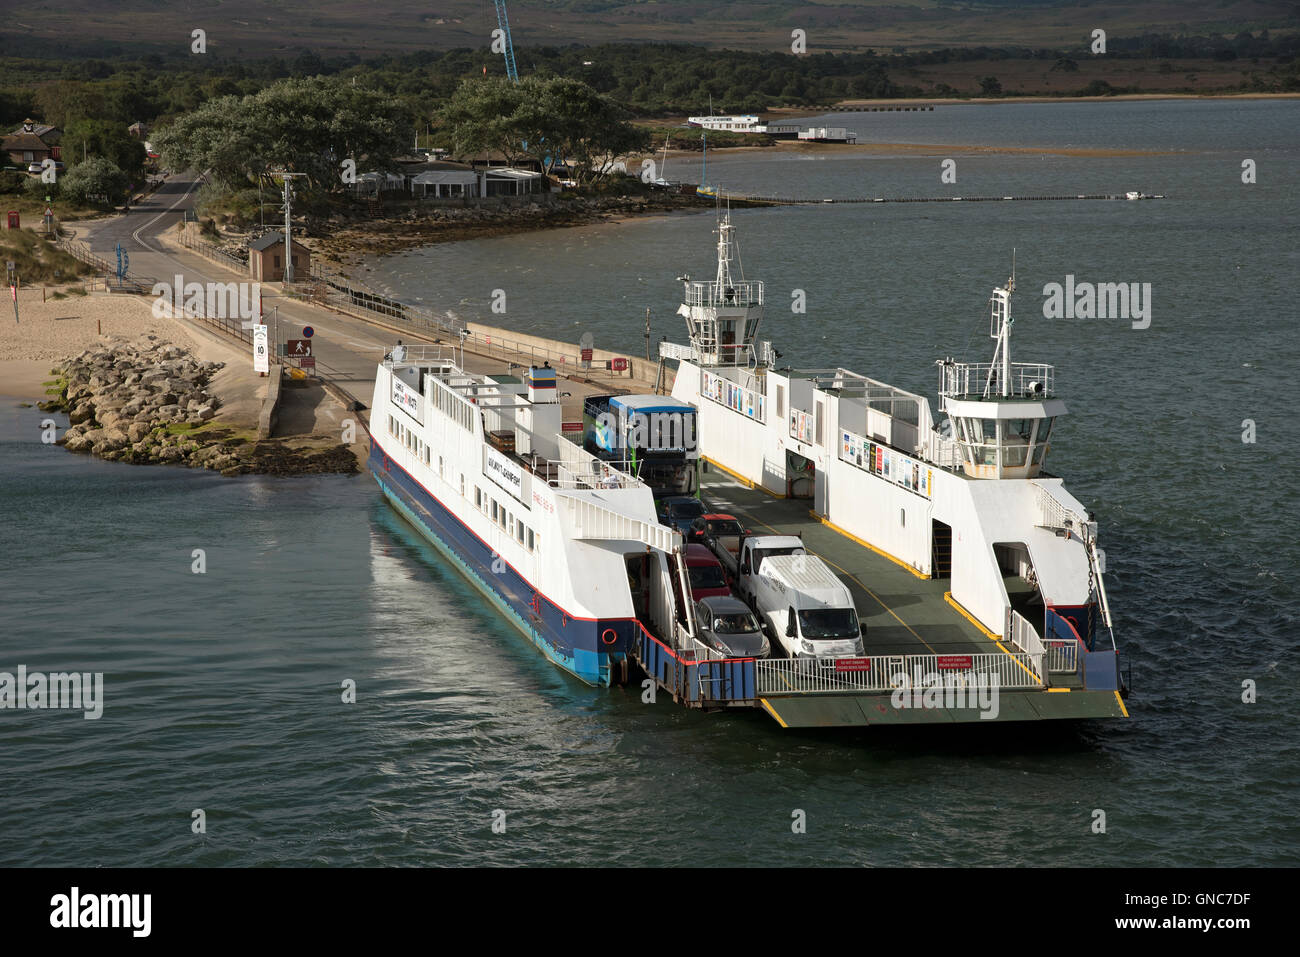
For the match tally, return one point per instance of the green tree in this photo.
(96, 181)
(309, 125)
(990, 86)
(106, 138)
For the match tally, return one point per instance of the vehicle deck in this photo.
(904, 614)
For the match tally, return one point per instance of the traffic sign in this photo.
(261, 361)
(308, 332)
(307, 362)
(298, 348)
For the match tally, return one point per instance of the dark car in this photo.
(679, 511)
(728, 626)
(717, 530)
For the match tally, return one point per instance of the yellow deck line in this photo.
(740, 478)
(947, 596)
(853, 577)
(1018, 662)
(1122, 709)
(1060, 690)
(772, 712)
(867, 545)
(996, 639)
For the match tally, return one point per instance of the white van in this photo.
(808, 609)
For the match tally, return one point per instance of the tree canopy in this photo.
(308, 125)
(547, 119)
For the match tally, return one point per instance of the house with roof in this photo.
(31, 143)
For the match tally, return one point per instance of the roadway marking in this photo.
(171, 209)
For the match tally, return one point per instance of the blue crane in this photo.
(504, 23)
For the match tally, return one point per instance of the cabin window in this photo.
(439, 466)
(462, 486)
(530, 539)
(1044, 426)
(519, 531)
(494, 510)
(780, 401)
(1019, 430)
(902, 517)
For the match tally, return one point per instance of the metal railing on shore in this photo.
(213, 252)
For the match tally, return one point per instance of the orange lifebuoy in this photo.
(609, 636)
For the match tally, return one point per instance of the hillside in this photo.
(73, 28)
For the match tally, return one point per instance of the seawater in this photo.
(224, 690)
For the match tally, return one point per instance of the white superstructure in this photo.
(965, 498)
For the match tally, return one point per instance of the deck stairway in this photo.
(941, 551)
(593, 522)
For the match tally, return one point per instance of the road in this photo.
(347, 349)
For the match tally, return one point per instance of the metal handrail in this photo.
(966, 379)
(878, 673)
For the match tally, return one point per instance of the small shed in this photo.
(266, 259)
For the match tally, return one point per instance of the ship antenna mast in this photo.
(1000, 329)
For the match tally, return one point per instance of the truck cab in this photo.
(746, 564)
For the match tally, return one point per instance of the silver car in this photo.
(728, 626)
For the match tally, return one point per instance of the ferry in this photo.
(970, 567)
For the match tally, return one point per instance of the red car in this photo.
(705, 574)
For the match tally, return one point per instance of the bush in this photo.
(12, 181)
(36, 191)
(96, 181)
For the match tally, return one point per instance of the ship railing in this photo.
(589, 478)
(699, 682)
(945, 452)
(885, 673)
(984, 380)
(1061, 656)
(692, 649)
(1022, 634)
(713, 294)
(421, 354)
(1057, 515)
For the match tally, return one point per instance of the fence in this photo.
(879, 673)
(79, 250)
(1062, 657)
(213, 252)
(1024, 636)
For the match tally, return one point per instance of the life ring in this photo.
(609, 636)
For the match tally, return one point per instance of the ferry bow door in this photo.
(800, 476)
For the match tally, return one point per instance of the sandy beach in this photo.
(56, 329)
